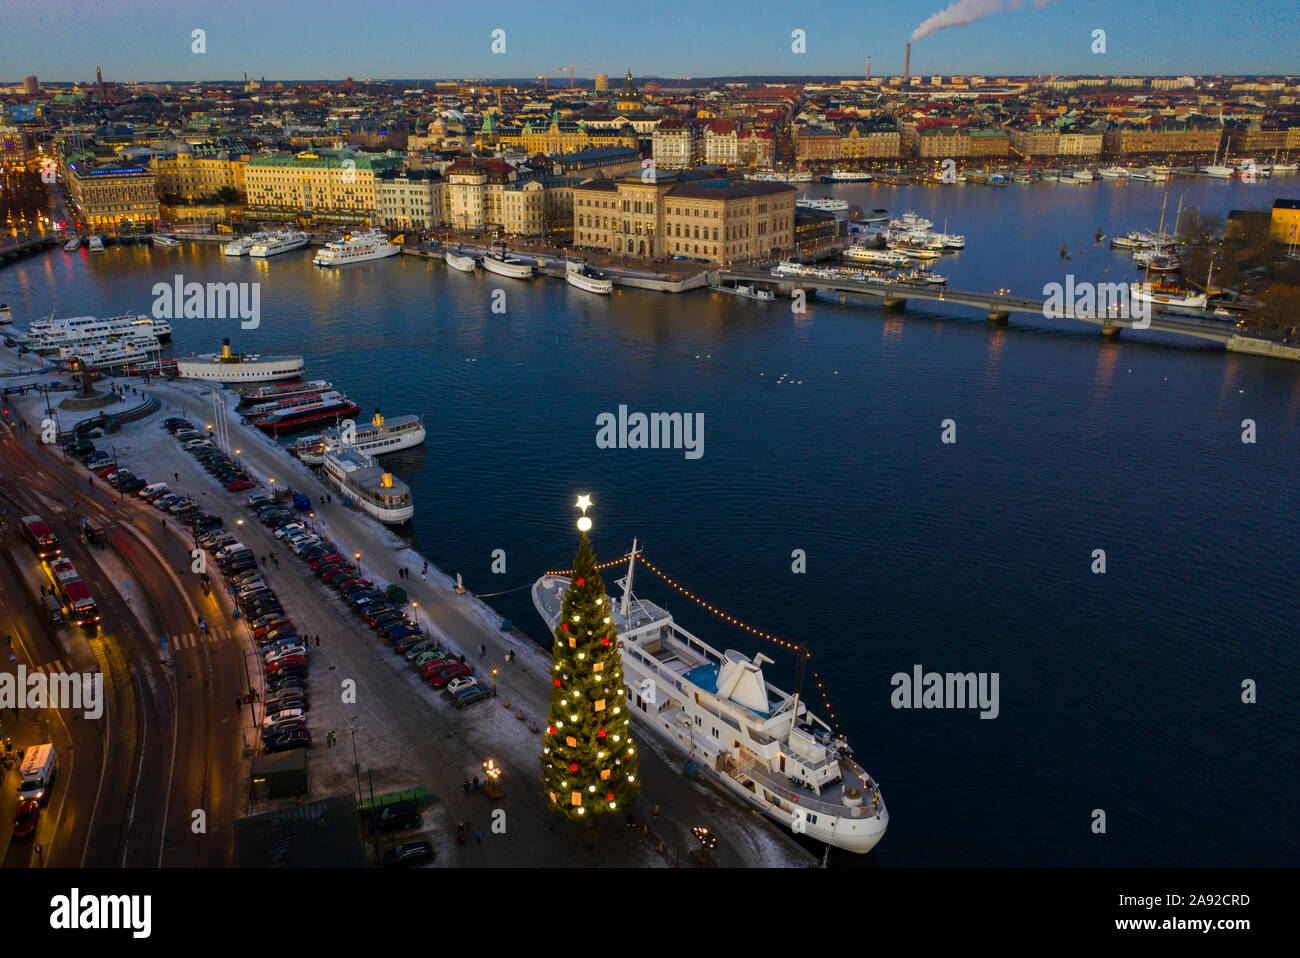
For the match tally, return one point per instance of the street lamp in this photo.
(355, 761)
(357, 556)
(416, 607)
(494, 682)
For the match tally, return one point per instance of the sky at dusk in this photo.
(63, 40)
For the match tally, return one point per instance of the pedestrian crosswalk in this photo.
(57, 667)
(190, 640)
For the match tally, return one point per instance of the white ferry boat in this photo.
(230, 367)
(1160, 296)
(838, 208)
(800, 176)
(846, 176)
(107, 355)
(762, 744)
(356, 248)
(504, 265)
(72, 245)
(381, 437)
(279, 242)
(240, 245)
(364, 482)
(1082, 176)
(47, 335)
(299, 401)
(767, 176)
(95, 244)
(587, 277)
(165, 241)
(1113, 173)
(457, 259)
(875, 257)
(264, 394)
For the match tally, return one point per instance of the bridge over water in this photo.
(999, 307)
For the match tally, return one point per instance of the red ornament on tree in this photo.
(605, 641)
(564, 626)
(610, 796)
(557, 683)
(581, 581)
(600, 734)
(573, 767)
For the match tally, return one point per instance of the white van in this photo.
(225, 552)
(153, 491)
(39, 769)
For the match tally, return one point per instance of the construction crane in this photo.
(576, 66)
(543, 77)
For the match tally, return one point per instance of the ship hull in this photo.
(262, 252)
(602, 286)
(506, 268)
(307, 418)
(214, 370)
(465, 264)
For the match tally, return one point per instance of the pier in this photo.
(999, 307)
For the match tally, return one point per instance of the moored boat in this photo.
(587, 278)
(457, 259)
(72, 245)
(505, 265)
(359, 247)
(361, 480)
(232, 367)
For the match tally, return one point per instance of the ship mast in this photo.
(627, 583)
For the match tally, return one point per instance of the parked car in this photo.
(440, 679)
(435, 667)
(469, 696)
(283, 728)
(460, 684)
(289, 662)
(399, 815)
(408, 853)
(296, 738)
(274, 717)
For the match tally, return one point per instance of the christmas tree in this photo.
(589, 764)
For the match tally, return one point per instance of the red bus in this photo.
(74, 592)
(40, 537)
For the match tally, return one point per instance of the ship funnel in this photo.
(377, 419)
(225, 349)
(387, 480)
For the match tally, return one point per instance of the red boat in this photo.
(294, 419)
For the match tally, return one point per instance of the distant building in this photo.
(814, 230)
(815, 144)
(602, 83)
(31, 86)
(196, 172)
(1172, 137)
(409, 199)
(757, 148)
(330, 184)
(601, 161)
(1284, 223)
(684, 214)
(674, 144)
(721, 143)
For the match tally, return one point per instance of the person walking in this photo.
(482, 651)
(239, 705)
(318, 641)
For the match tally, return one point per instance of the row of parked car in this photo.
(284, 723)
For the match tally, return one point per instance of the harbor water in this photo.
(1120, 692)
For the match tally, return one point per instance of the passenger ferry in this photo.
(367, 485)
(761, 743)
(837, 208)
(263, 394)
(107, 355)
(47, 335)
(165, 241)
(458, 259)
(846, 176)
(504, 265)
(95, 244)
(230, 367)
(280, 242)
(875, 257)
(72, 245)
(381, 437)
(299, 401)
(300, 415)
(356, 248)
(242, 244)
(587, 277)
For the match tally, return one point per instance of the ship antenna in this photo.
(627, 583)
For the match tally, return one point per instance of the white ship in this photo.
(265, 394)
(767, 176)
(1113, 173)
(800, 176)
(229, 367)
(1082, 176)
(242, 244)
(364, 482)
(875, 257)
(279, 242)
(72, 245)
(95, 244)
(48, 335)
(846, 176)
(356, 248)
(504, 265)
(762, 744)
(106, 355)
(457, 259)
(838, 208)
(1220, 170)
(381, 437)
(587, 277)
(165, 241)
(300, 401)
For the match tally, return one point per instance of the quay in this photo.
(998, 307)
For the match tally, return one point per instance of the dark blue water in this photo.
(1119, 692)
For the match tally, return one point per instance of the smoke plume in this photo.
(962, 12)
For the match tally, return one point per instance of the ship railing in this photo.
(781, 788)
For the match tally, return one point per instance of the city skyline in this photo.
(139, 40)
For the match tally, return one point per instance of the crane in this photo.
(575, 66)
(544, 78)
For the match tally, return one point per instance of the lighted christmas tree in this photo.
(589, 764)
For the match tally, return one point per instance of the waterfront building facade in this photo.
(113, 196)
(329, 184)
(409, 199)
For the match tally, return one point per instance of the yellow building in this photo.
(330, 184)
(563, 138)
(1284, 225)
(682, 215)
(193, 173)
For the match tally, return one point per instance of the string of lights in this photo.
(603, 565)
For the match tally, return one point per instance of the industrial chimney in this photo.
(868, 68)
(907, 66)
